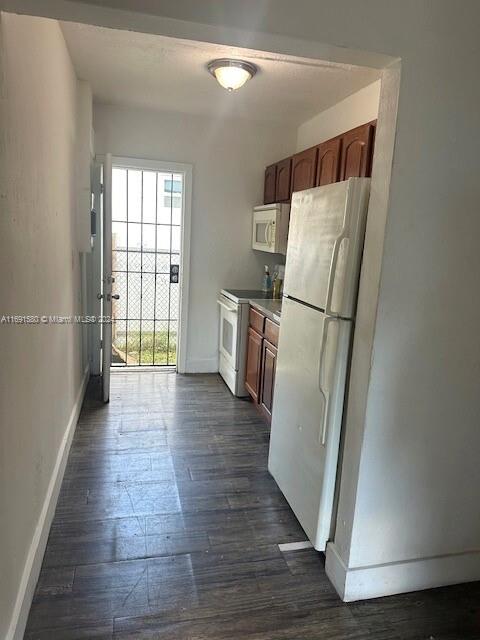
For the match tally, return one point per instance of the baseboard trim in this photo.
(335, 569)
(206, 365)
(400, 577)
(33, 564)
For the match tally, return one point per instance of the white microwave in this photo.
(270, 228)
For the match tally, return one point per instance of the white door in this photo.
(325, 243)
(107, 277)
(307, 414)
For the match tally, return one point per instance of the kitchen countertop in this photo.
(269, 307)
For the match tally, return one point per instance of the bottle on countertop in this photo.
(278, 277)
(266, 281)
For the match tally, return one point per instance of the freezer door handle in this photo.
(332, 271)
(324, 390)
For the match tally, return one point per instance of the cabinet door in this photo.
(270, 184)
(254, 363)
(357, 147)
(269, 361)
(328, 162)
(284, 174)
(304, 166)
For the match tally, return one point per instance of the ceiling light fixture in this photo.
(231, 74)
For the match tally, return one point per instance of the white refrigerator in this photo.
(325, 244)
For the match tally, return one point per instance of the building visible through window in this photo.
(172, 201)
(172, 187)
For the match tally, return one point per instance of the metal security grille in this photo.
(146, 237)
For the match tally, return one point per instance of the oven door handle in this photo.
(227, 306)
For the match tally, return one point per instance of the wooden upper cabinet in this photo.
(346, 156)
(270, 184)
(357, 147)
(304, 166)
(328, 162)
(284, 174)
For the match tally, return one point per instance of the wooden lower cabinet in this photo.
(261, 361)
(269, 363)
(254, 363)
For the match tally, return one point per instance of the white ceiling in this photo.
(155, 72)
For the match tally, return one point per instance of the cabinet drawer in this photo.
(257, 320)
(271, 332)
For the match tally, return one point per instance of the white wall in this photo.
(41, 374)
(416, 445)
(412, 454)
(229, 159)
(417, 491)
(356, 109)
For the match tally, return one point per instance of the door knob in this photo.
(108, 296)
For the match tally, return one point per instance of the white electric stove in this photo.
(234, 312)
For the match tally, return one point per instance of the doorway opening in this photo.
(148, 205)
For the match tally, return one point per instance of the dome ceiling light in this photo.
(231, 74)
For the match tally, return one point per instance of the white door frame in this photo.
(107, 276)
(94, 271)
(187, 171)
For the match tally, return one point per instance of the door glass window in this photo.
(146, 254)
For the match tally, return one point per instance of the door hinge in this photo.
(102, 189)
(101, 344)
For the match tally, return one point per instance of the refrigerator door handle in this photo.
(323, 438)
(332, 272)
(322, 435)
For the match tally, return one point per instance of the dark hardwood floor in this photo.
(168, 525)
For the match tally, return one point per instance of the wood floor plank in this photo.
(168, 525)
